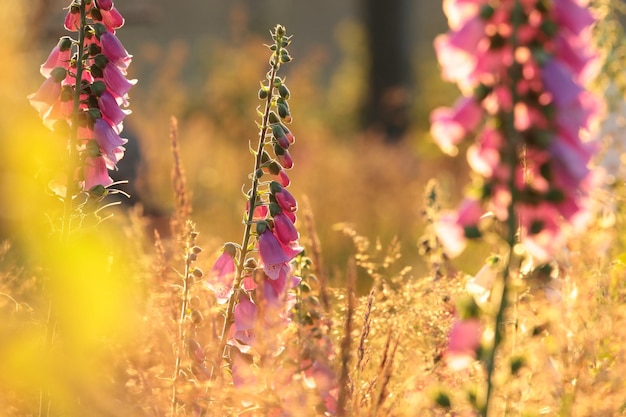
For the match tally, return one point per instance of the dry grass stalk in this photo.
(346, 342)
(316, 253)
(182, 197)
(384, 371)
(367, 320)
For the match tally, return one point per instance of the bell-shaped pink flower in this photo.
(95, 173)
(104, 4)
(463, 343)
(274, 254)
(572, 15)
(285, 200)
(449, 126)
(450, 227)
(484, 156)
(116, 81)
(112, 19)
(221, 277)
(46, 96)
(72, 20)
(58, 57)
(284, 158)
(115, 52)
(457, 51)
(285, 229)
(110, 109)
(108, 140)
(245, 318)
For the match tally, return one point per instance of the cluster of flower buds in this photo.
(522, 67)
(84, 96)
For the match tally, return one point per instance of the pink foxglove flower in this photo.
(96, 173)
(528, 82)
(449, 126)
(451, 226)
(112, 19)
(59, 57)
(104, 4)
(463, 343)
(286, 232)
(116, 81)
(222, 274)
(115, 52)
(100, 96)
(245, 322)
(285, 200)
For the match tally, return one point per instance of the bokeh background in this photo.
(363, 80)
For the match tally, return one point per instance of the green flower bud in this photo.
(58, 74)
(536, 227)
(284, 91)
(99, 29)
(275, 187)
(285, 57)
(94, 114)
(275, 209)
(486, 11)
(95, 14)
(98, 191)
(97, 72)
(279, 31)
(263, 93)
(65, 43)
(442, 399)
(273, 118)
(100, 61)
(196, 317)
(92, 150)
(274, 168)
(278, 150)
(517, 363)
(261, 227)
(98, 87)
(283, 111)
(67, 93)
(231, 249)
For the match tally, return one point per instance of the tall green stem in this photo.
(45, 400)
(73, 151)
(181, 319)
(512, 155)
(228, 320)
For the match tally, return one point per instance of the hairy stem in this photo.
(181, 322)
(45, 400)
(512, 225)
(73, 151)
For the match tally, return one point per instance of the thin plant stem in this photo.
(73, 151)
(181, 321)
(66, 226)
(504, 295)
(512, 224)
(244, 250)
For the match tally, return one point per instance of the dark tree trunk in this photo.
(386, 109)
